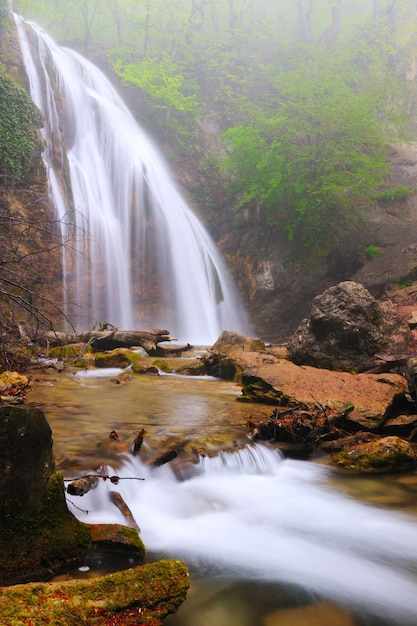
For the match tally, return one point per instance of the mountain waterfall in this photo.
(135, 256)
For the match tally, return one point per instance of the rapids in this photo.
(251, 515)
(262, 535)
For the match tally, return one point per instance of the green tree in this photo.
(316, 147)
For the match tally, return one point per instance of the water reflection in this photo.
(83, 408)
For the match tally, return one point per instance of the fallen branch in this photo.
(84, 484)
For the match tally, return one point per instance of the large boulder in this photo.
(346, 328)
(26, 460)
(365, 400)
(37, 532)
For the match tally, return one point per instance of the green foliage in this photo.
(399, 194)
(372, 252)
(159, 79)
(308, 117)
(316, 145)
(19, 119)
(168, 101)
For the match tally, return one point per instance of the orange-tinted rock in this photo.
(365, 398)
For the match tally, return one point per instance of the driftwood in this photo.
(163, 458)
(102, 341)
(138, 441)
(169, 351)
(119, 502)
(83, 485)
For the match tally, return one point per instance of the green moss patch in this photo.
(141, 595)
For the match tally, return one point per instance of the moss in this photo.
(141, 595)
(32, 546)
(131, 535)
(120, 357)
(388, 454)
(19, 119)
(399, 194)
(71, 351)
(118, 538)
(162, 365)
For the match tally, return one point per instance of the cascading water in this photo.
(252, 515)
(139, 256)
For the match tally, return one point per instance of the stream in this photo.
(268, 540)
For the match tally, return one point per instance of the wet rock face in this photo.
(346, 328)
(26, 460)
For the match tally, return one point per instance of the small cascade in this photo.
(136, 256)
(252, 515)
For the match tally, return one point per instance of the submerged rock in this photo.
(119, 357)
(346, 328)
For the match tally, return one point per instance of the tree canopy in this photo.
(309, 93)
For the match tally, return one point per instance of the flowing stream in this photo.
(136, 256)
(268, 541)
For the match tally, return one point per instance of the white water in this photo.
(251, 515)
(128, 218)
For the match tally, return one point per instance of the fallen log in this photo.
(170, 351)
(101, 341)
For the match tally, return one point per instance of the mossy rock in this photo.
(32, 546)
(71, 351)
(388, 454)
(140, 595)
(120, 357)
(37, 532)
(118, 538)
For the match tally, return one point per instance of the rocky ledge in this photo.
(343, 386)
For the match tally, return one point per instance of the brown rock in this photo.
(118, 539)
(230, 341)
(364, 398)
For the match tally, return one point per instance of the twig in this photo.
(77, 507)
(112, 479)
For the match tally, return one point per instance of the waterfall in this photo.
(135, 255)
